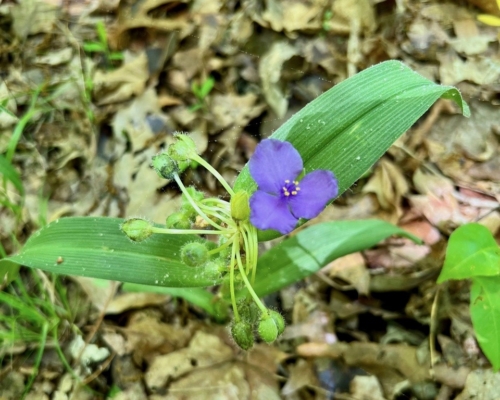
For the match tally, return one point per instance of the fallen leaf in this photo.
(270, 68)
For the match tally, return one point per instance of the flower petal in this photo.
(274, 162)
(316, 190)
(271, 212)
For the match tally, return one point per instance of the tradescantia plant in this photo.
(309, 161)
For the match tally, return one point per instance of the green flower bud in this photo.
(137, 229)
(165, 166)
(212, 270)
(240, 209)
(242, 334)
(194, 254)
(183, 149)
(268, 331)
(279, 320)
(178, 220)
(186, 207)
(248, 310)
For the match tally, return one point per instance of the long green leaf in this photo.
(308, 251)
(96, 247)
(349, 127)
(485, 314)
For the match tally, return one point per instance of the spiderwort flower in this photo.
(281, 199)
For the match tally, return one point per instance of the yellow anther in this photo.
(295, 183)
(287, 181)
(294, 192)
(287, 194)
(297, 188)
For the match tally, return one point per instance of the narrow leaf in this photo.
(97, 248)
(9, 173)
(311, 249)
(472, 251)
(485, 314)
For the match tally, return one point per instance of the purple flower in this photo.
(280, 199)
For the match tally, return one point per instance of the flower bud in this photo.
(240, 208)
(183, 149)
(178, 221)
(242, 334)
(268, 331)
(194, 254)
(279, 320)
(137, 229)
(165, 166)
(248, 310)
(186, 206)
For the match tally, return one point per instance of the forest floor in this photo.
(91, 90)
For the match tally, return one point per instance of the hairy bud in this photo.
(137, 229)
(242, 334)
(194, 254)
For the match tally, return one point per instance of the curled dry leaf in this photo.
(270, 68)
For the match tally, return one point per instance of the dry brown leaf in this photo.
(366, 387)
(389, 185)
(301, 375)
(270, 68)
(481, 384)
(347, 11)
(132, 120)
(33, 16)
(204, 350)
(127, 301)
(233, 110)
(402, 358)
(482, 71)
(147, 337)
(122, 83)
(351, 269)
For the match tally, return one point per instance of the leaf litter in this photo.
(360, 328)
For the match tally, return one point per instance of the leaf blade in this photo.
(96, 247)
(311, 249)
(472, 251)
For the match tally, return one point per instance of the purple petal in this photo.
(273, 163)
(271, 212)
(316, 190)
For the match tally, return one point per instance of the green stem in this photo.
(261, 306)
(195, 206)
(231, 280)
(214, 172)
(220, 248)
(218, 213)
(156, 229)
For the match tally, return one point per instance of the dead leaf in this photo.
(122, 83)
(351, 269)
(127, 301)
(389, 185)
(366, 387)
(481, 384)
(204, 351)
(33, 16)
(270, 68)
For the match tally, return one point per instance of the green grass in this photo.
(33, 309)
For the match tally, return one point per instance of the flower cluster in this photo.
(281, 200)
